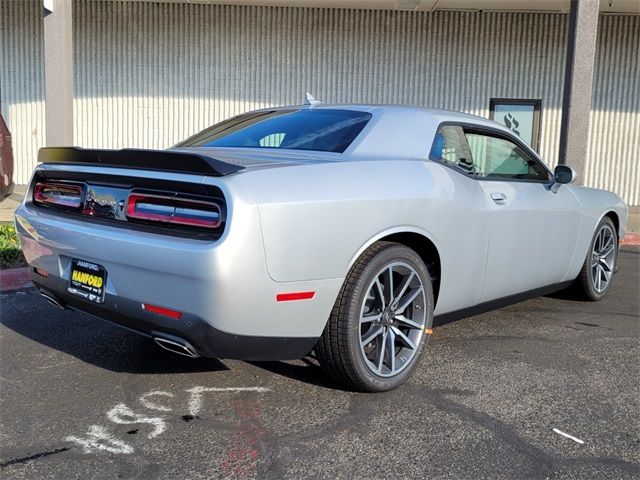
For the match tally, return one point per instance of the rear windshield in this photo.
(322, 130)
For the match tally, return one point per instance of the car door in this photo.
(533, 229)
(464, 224)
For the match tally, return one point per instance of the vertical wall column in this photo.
(576, 102)
(58, 71)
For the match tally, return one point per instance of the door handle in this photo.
(498, 197)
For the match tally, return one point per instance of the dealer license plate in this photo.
(87, 280)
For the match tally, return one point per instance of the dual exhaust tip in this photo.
(53, 300)
(176, 345)
(171, 343)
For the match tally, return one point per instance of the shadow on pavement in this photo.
(89, 339)
(306, 370)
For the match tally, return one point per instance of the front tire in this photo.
(598, 269)
(376, 334)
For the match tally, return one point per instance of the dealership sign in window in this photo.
(521, 116)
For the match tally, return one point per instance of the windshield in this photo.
(322, 130)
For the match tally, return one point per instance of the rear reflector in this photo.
(167, 312)
(174, 210)
(59, 194)
(288, 297)
(42, 273)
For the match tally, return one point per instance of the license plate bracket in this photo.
(87, 280)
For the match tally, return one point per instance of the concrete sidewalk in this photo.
(9, 204)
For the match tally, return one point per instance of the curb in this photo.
(632, 239)
(15, 279)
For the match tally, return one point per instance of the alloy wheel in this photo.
(603, 259)
(392, 319)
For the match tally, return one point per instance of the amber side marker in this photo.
(428, 331)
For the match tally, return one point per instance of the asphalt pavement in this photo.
(80, 398)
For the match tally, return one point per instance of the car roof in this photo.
(438, 115)
(396, 131)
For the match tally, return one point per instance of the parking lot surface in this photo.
(83, 399)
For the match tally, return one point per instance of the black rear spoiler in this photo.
(163, 160)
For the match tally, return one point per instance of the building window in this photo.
(521, 116)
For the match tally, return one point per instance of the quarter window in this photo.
(450, 147)
(498, 158)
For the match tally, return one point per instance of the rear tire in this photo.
(595, 277)
(376, 333)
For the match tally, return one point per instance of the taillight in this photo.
(59, 194)
(174, 210)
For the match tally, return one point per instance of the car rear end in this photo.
(170, 248)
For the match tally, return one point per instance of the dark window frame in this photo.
(536, 103)
(493, 132)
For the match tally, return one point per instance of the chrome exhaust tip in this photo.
(177, 345)
(53, 301)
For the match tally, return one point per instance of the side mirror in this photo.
(562, 175)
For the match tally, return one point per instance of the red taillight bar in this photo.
(60, 194)
(174, 210)
(135, 201)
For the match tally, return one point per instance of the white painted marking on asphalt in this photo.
(124, 415)
(195, 401)
(144, 400)
(575, 439)
(97, 436)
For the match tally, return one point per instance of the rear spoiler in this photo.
(163, 160)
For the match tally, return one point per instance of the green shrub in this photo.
(10, 254)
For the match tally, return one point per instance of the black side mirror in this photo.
(564, 174)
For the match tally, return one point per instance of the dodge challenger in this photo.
(339, 229)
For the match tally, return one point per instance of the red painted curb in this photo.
(14, 279)
(631, 239)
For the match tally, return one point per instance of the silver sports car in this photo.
(342, 229)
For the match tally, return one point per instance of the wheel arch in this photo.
(417, 240)
(613, 215)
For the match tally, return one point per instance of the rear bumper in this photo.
(205, 339)
(224, 283)
(229, 302)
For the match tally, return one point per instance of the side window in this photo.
(495, 157)
(450, 147)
